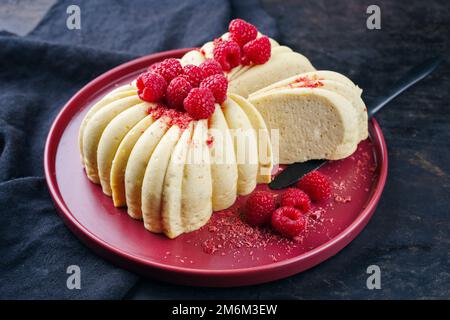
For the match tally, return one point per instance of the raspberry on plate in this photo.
(177, 91)
(193, 74)
(316, 185)
(257, 51)
(151, 87)
(211, 67)
(218, 84)
(168, 68)
(259, 207)
(288, 221)
(227, 53)
(199, 103)
(296, 198)
(241, 31)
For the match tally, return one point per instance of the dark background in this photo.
(409, 235)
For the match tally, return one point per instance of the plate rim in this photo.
(63, 119)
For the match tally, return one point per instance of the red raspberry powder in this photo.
(228, 231)
(181, 119)
(306, 82)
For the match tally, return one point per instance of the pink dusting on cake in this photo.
(174, 117)
(305, 82)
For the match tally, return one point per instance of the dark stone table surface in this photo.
(409, 234)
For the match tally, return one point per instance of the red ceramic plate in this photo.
(224, 252)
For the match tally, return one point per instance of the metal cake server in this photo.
(293, 172)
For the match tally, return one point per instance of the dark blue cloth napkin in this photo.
(38, 74)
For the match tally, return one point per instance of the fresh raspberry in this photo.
(259, 207)
(227, 53)
(257, 51)
(316, 185)
(210, 67)
(199, 103)
(244, 60)
(288, 221)
(193, 74)
(168, 68)
(177, 91)
(218, 85)
(241, 31)
(295, 198)
(151, 87)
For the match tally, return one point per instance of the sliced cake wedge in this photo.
(313, 123)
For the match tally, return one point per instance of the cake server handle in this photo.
(293, 172)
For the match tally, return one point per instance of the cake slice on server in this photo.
(319, 115)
